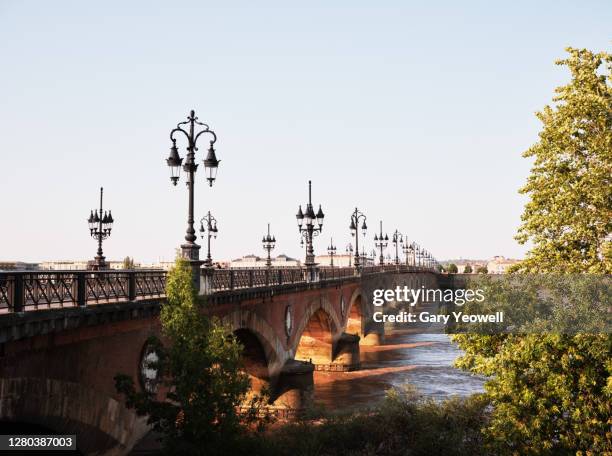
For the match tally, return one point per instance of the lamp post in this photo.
(356, 216)
(211, 231)
(398, 240)
(190, 250)
(349, 251)
(381, 242)
(331, 250)
(407, 251)
(268, 243)
(309, 226)
(100, 226)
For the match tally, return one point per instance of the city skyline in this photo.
(375, 120)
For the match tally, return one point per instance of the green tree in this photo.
(482, 270)
(199, 364)
(467, 269)
(552, 393)
(128, 263)
(452, 268)
(569, 216)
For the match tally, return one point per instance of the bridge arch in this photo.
(316, 333)
(355, 315)
(260, 342)
(254, 359)
(71, 408)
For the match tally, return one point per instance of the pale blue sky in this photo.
(416, 112)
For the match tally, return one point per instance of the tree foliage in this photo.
(569, 216)
(199, 362)
(467, 269)
(452, 268)
(128, 263)
(552, 393)
(405, 423)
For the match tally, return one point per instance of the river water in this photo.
(424, 360)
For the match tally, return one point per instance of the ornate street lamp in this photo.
(349, 251)
(407, 251)
(100, 226)
(398, 241)
(190, 250)
(331, 250)
(211, 231)
(381, 242)
(309, 226)
(268, 242)
(356, 216)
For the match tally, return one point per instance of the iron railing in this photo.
(37, 290)
(22, 291)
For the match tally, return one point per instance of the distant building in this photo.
(462, 263)
(79, 265)
(18, 266)
(342, 260)
(500, 264)
(254, 261)
(165, 265)
(496, 265)
(63, 265)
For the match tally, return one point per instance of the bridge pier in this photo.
(373, 338)
(295, 385)
(346, 357)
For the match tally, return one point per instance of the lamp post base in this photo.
(98, 264)
(311, 272)
(191, 253)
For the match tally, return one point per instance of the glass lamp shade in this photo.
(299, 217)
(90, 221)
(211, 164)
(174, 161)
(320, 216)
(309, 216)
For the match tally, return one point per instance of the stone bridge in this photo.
(64, 336)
